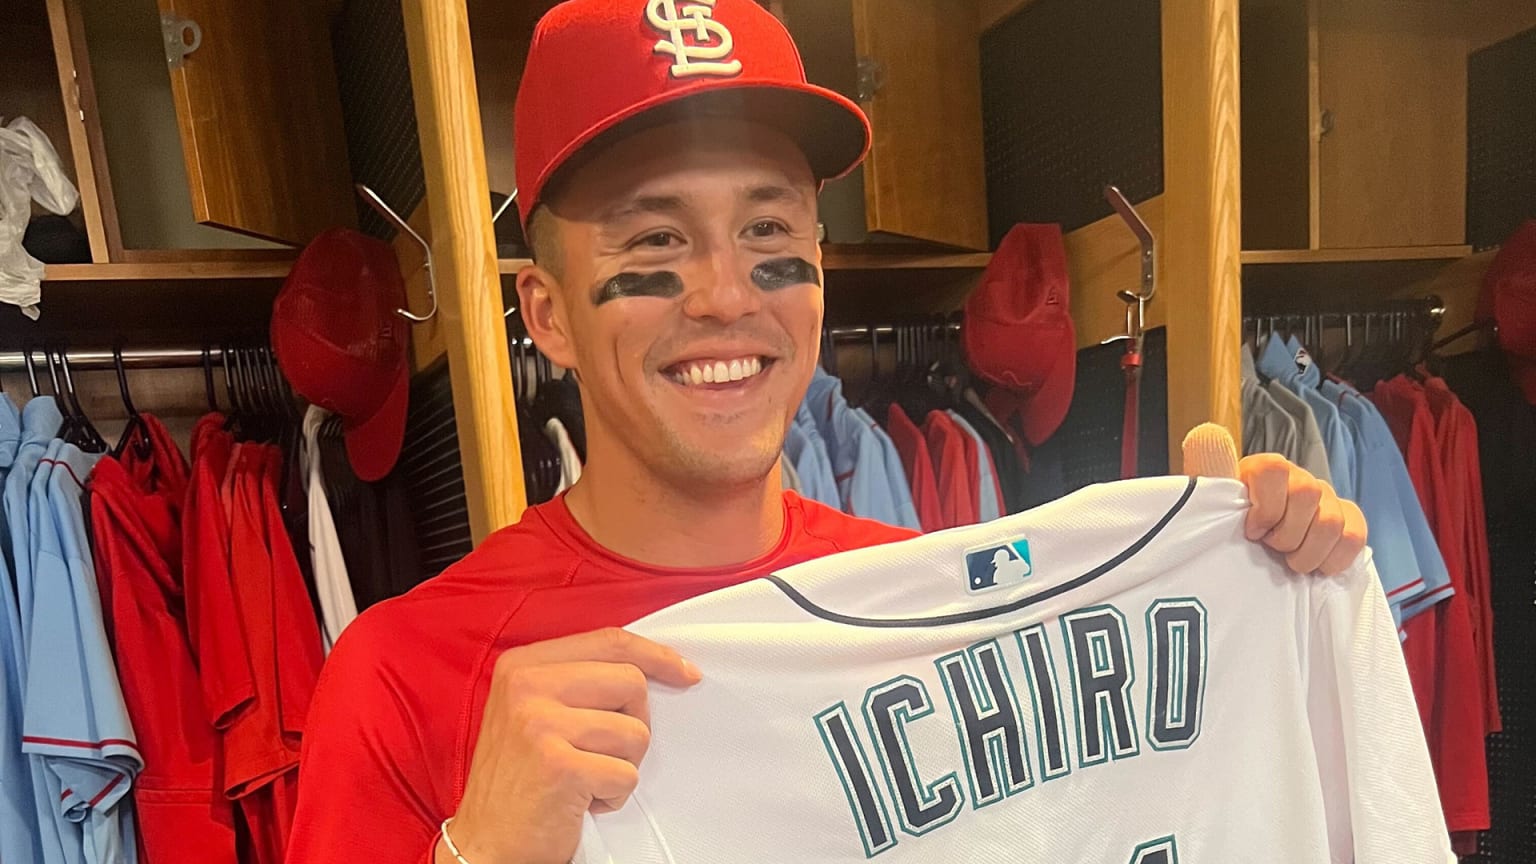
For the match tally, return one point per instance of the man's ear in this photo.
(539, 305)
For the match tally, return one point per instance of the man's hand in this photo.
(1297, 514)
(1290, 510)
(566, 724)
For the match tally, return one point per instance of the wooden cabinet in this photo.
(1392, 124)
(1354, 123)
(235, 150)
(260, 118)
(915, 67)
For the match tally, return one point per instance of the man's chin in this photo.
(714, 466)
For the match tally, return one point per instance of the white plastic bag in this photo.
(29, 171)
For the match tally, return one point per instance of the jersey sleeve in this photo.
(75, 723)
(213, 621)
(368, 789)
(1378, 787)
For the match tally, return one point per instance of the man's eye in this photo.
(766, 229)
(659, 240)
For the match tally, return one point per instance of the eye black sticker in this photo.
(660, 283)
(783, 273)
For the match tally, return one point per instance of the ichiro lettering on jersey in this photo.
(1118, 677)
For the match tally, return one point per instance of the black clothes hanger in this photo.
(291, 502)
(86, 437)
(929, 384)
(263, 428)
(208, 388)
(878, 393)
(68, 429)
(233, 421)
(136, 433)
(26, 359)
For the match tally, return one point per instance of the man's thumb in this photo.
(1210, 452)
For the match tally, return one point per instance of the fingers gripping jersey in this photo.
(1117, 677)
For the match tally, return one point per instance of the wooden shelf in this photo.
(851, 256)
(894, 256)
(1333, 256)
(167, 271)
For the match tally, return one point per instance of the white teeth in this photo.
(719, 372)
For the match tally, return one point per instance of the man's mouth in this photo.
(724, 370)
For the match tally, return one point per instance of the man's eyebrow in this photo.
(770, 193)
(643, 204)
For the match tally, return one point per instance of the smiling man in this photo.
(669, 155)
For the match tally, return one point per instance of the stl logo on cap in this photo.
(711, 47)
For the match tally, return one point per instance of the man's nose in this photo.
(724, 291)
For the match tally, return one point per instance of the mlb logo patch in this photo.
(994, 566)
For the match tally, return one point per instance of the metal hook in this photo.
(394, 219)
(1138, 226)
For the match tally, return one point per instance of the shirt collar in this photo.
(40, 420)
(1276, 362)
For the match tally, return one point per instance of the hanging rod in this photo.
(1430, 305)
(887, 329)
(144, 358)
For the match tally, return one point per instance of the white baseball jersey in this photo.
(1117, 677)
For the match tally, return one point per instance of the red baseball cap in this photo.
(599, 70)
(1018, 331)
(343, 346)
(1509, 299)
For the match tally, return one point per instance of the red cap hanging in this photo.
(342, 345)
(1018, 331)
(1509, 299)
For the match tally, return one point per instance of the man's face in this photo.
(689, 299)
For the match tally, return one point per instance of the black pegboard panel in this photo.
(434, 472)
(378, 110)
(1501, 141)
(1072, 99)
(1086, 448)
(1506, 432)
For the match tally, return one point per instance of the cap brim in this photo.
(1054, 398)
(1043, 407)
(373, 444)
(829, 128)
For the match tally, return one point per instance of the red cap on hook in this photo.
(1509, 299)
(343, 346)
(1018, 331)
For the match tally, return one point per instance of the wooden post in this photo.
(464, 257)
(1201, 243)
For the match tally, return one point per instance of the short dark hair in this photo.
(544, 240)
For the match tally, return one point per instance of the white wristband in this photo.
(448, 841)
